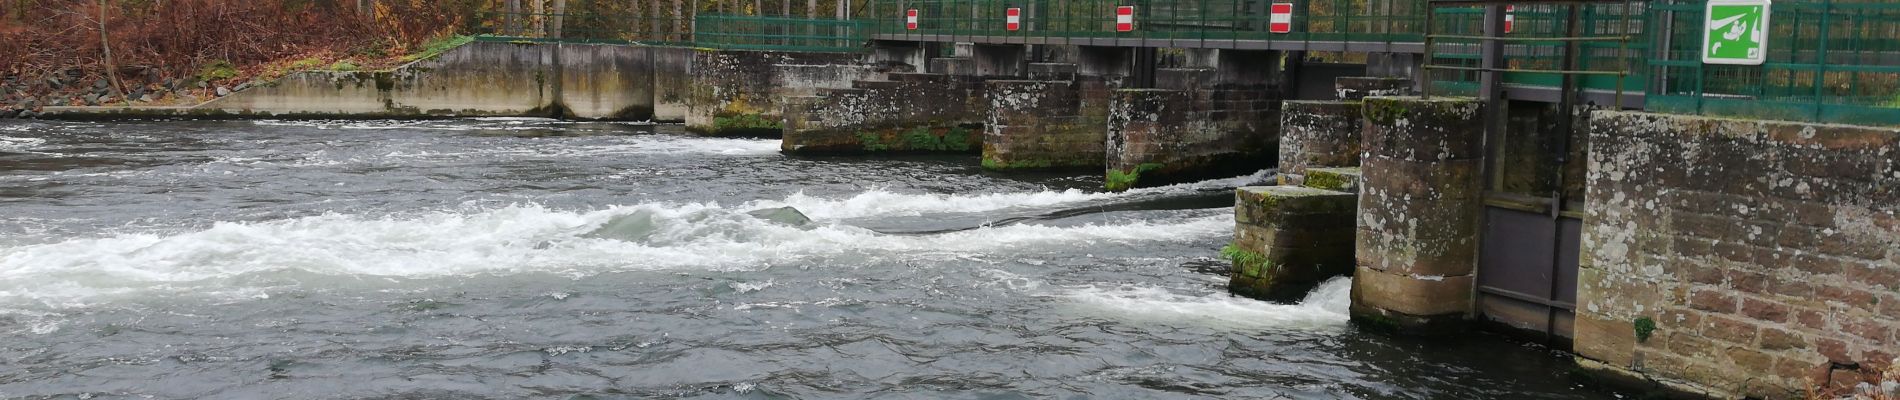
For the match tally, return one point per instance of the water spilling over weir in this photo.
(508, 258)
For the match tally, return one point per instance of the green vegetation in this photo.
(217, 70)
(1327, 181)
(438, 46)
(1119, 180)
(1251, 264)
(344, 66)
(872, 142)
(1644, 327)
(744, 122)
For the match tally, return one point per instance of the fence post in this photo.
(560, 19)
(1821, 59)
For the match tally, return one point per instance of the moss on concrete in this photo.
(1119, 180)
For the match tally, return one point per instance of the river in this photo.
(531, 258)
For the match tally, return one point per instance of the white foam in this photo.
(1325, 308)
(19, 143)
(878, 202)
(516, 239)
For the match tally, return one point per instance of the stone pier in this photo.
(1419, 208)
(1316, 134)
(911, 112)
(1287, 239)
(1196, 129)
(737, 92)
(1057, 121)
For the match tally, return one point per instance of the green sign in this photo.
(1736, 33)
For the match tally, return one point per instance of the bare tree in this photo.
(105, 45)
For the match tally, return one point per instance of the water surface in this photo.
(511, 258)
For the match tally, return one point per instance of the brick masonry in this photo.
(1737, 257)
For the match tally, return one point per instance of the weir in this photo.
(1717, 230)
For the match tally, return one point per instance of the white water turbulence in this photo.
(514, 239)
(1325, 308)
(880, 202)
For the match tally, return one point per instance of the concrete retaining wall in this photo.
(478, 79)
(1740, 258)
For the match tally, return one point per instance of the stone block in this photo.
(1319, 134)
(1412, 295)
(1288, 239)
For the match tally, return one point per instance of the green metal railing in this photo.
(1610, 38)
(779, 33)
(1828, 61)
(1314, 20)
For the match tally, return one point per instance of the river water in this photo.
(528, 258)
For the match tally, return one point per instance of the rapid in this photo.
(535, 258)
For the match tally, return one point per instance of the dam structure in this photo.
(1594, 176)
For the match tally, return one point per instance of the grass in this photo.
(344, 66)
(438, 46)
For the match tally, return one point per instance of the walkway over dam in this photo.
(1581, 172)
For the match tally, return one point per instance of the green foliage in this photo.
(1251, 264)
(438, 46)
(304, 64)
(344, 66)
(1644, 328)
(217, 70)
(1119, 180)
(872, 141)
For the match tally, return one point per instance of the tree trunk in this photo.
(511, 23)
(679, 20)
(538, 22)
(105, 45)
(560, 18)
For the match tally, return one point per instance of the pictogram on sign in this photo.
(1281, 21)
(1125, 19)
(1013, 19)
(910, 19)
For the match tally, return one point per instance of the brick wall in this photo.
(1045, 124)
(1739, 258)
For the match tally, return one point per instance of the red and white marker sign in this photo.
(910, 19)
(1281, 21)
(1013, 19)
(1509, 18)
(1125, 19)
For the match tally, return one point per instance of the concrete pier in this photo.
(1418, 213)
